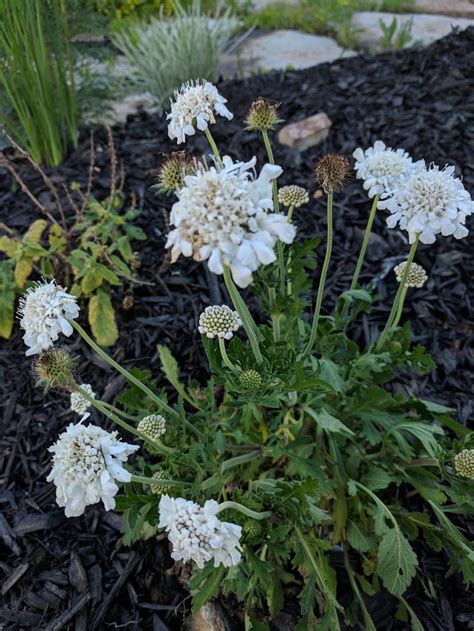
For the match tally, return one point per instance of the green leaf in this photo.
(91, 280)
(358, 537)
(397, 561)
(329, 371)
(125, 248)
(376, 479)
(135, 232)
(208, 588)
(329, 423)
(102, 319)
(425, 433)
(307, 595)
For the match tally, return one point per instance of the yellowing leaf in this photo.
(35, 231)
(23, 268)
(91, 281)
(7, 300)
(8, 246)
(102, 319)
(57, 239)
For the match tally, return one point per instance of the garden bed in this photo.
(76, 573)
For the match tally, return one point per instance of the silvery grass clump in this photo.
(165, 53)
(296, 457)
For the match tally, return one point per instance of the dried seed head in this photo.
(250, 379)
(330, 172)
(417, 276)
(152, 426)
(219, 321)
(464, 463)
(172, 172)
(293, 196)
(54, 368)
(263, 115)
(159, 489)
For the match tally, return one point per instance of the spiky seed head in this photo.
(330, 172)
(54, 368)
(219, 321)
(417, 276)
(159, 489)
(464, 463)
(250, 379)
(152, 426)
(172, 172)
(263, 115)
(293, 195)
(252, 530)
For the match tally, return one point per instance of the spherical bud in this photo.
(417, 276)
(219, 321)
(250, 379)
(252, 530)
(159, 489)
(330, 172)
(263, 115)
(152, 426)
(172, 172)
(293, 196)
(54, 369)
(464, 463)
(79, 403)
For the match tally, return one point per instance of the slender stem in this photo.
(238, 460)
(290, 213)
(322, 280)
(112, 408)
(274, 316)
(225, 357)
(244, 510)
(164, 407)
(369, 624)
(214, 148)
(289, 285)
(144, 480)
(365, 243)
(388, 326)
(247, 320)
(400, 307)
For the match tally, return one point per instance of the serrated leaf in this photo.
(397, 561)
(376, 479)
(329, 371)
(208, 588)
(23, 268)
(359, 539)
(8, 246)
(329, 423)
(35, 231)
(307, 595)
(102, 319)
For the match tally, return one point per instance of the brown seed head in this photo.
(54, 368)
(330, 172)
(263, 115)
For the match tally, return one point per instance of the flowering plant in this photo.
(296, 458)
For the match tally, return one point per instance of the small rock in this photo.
(208, 618)
(305, 133)
(455, 8)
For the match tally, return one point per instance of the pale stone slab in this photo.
(305, 133)
(456, 8)
(426, 28)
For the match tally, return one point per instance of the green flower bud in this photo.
(293, 196)
(464, 463)
(250, 379)
(152, 426)
(252, 530)
(263, 115)
(159, 489)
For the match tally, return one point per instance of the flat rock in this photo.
(289, 49)
(455, 8)
(425, 28)
(305, 133)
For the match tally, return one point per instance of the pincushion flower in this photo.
(196, 534)
(195, 105)
(219, 321)
(45, 310)
(79, 403)
(416, 277)
(382, 168)
(431, 202)
(86, 462)
(223, 215)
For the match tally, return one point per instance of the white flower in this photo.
(196, 534)
(153, 426)
(194, 105)
(382, 168)
(79, 403)
(219, 321)
(416, 277)
(87, 460)
(45, 310)
(223, 216)
(431, 202)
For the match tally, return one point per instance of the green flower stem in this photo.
(289, 285)
(214, 148)
(244, 510)
(171, 483)
(322, 280)
(379, 503)
(400, 307)
(225, 357)
(388, 326)
(112, 408)
(164, 407)
(275, 316)
(369, 623)
(247, 321)
(290, 213)
(365, 243)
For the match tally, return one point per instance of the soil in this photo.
(76, 574)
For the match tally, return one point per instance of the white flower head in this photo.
(79, 403)
(153, 426)
(224, 214)
(196, 534)
(86, 462)
(416, 277)
(195, 105)
(431, 202)
(45, 310)
(219, 321)
(382, 168)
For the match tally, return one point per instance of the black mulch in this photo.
(76, 574)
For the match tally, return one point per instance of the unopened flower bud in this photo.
(464, 463)
(330, 172)
(159, 489)
(417, 276)
(219, 321)
(173, 171)
(293, 196)
(79, 403)
(54, 369)
(152, 426)
(263, 115)
(250, 379)
(252, 530)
